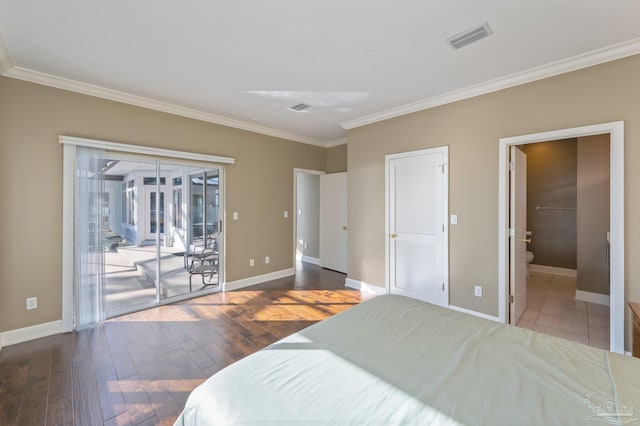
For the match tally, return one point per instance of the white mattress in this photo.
(395, 360)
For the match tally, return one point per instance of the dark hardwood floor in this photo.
(141, 367)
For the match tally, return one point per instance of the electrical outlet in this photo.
(478, 291)
(32, 303)
(251, 262)
(266, 259)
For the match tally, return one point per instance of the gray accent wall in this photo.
(593, 213)
(551, 202)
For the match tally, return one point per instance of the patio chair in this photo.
(203, 263)
(200, 252)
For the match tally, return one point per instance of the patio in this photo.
(130, 273)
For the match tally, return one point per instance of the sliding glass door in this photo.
(153, 229)
(130, 266)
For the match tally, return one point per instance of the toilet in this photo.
(529, 259)
(529, 253)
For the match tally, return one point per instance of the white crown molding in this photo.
(140, 101)
(595, 57)
(5, 59)
(335, 142)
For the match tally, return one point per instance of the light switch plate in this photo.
(235, 215)
(32, 303)
(454, 219)
(478, 291)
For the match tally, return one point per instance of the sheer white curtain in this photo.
(89, 247)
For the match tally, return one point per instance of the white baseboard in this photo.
(25, 334)
(362, 286)
(474, 313)
(258, 279)
(553, 270)
(309, 259)
(597, 298)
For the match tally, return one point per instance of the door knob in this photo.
(527, 240)
(344, 228)
(394, 235)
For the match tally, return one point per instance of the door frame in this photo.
(617, 287)
(294, 213)
(387, 224)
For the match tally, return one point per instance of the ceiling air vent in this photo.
(470, 36)
(299, 107)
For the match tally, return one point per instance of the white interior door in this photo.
(418, 194)
(333, 221)
(518, 232)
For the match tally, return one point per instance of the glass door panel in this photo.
(190, 256)
(130, 265)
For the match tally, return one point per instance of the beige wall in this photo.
(337, 159)
(259, 186)
(593, 213)
(551, 182)
(472, 128)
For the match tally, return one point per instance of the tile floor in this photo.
(552, 309)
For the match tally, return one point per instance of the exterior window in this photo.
(124, 203)
(177, 208)
(131, 203)
(152, 181)
(177, 181)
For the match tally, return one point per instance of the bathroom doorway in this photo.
(566, 211)
(557, 216)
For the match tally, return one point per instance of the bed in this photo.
(396, 360)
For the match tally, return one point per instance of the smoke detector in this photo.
(470, 36)
(298, 108)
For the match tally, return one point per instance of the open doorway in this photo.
(306, 216)
(564, 214)
(609, 270)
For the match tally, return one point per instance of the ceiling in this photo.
(243, 63)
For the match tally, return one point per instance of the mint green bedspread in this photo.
(394, 360)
